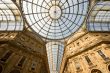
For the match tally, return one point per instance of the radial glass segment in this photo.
(55, 19)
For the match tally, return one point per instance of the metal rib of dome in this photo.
(55, 19)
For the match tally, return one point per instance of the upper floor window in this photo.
(103, 55)
(21, 61)
(6, 56)
(88, 60)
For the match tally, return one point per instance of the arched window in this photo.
(1, 69)
(109, 67)
(15, 71)
(96, 71)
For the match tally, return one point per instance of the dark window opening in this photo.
(102, 55)
(21, 61)
(88, 60)
(6, 56)
(33, 66)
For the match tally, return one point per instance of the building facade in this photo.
(23, 53)
(88, 53)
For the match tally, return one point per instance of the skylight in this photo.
(55, 19)
(10, 17)
(99, 17)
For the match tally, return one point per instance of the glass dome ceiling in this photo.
(55, 19)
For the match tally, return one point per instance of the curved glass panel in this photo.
(99, 17)
(55, 53)
(55, 19)
(10, 17)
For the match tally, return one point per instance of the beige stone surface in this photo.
(87, 44)
(28, 45)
